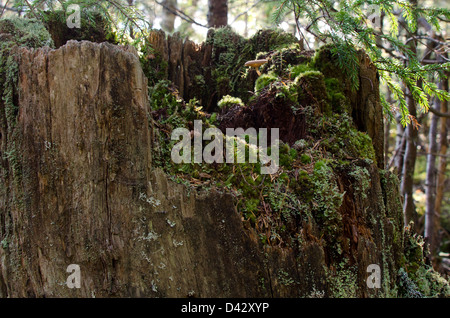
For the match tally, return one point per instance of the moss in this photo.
(94, 28)
(164, 96)
(24, 33)
(343, 280)
(297, 70)
(313, 90)
(265, 80)
(342, 139)
(336, 96)
(154, 66)
(324, 61)
(305, 159)
(229, 53)
(228, 101)
(271, 39)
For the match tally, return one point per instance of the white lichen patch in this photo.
(150, 200)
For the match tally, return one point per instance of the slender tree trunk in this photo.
(409, 162)
(131, 3)
(387, 129)
(246, 20)
(409, 211)
(442, 165)
(430, 184)
(399, 149)
(168, 18)
(217, 13)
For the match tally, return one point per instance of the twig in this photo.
(32, 9)
(246, 11)
(181, 14)
(438, 113)
(4, 7)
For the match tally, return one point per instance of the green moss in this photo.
(305, 159)
(299, 69)
(94, 27)
(228, 101)
(313, 90)
(361, 180)
(342, 139)
(265, 80)
(336, 96)
(343, 282)
(25, 32)
(271, 39)
(229, 54)
(154, 66)
(325, 62)
(164, 96)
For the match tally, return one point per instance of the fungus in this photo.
(256, 64)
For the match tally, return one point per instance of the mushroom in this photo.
(256, 64)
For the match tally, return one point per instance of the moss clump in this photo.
(340, 137)
(297, 70)
(336, 96)
(94, 28)
(271, 39)
(229, 54)
(228, 101)
(231, 51)
(25, 32)
(325, 61)
(305, 159)
(343, 281)
(155, 67)
(313, 90)
(164, 95)
(265, 80)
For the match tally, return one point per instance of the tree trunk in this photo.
(387, 128)
(430, 184)
(442, 165)
(399, 149)
(217, 13)
(409, 162)
(168, 18)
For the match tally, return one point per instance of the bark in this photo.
(410, 154)
(442, 164)
(217, 13)
(409, 162)
(430, 185)
(387, 128)
(399, 150)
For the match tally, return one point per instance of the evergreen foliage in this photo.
(348, 27)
